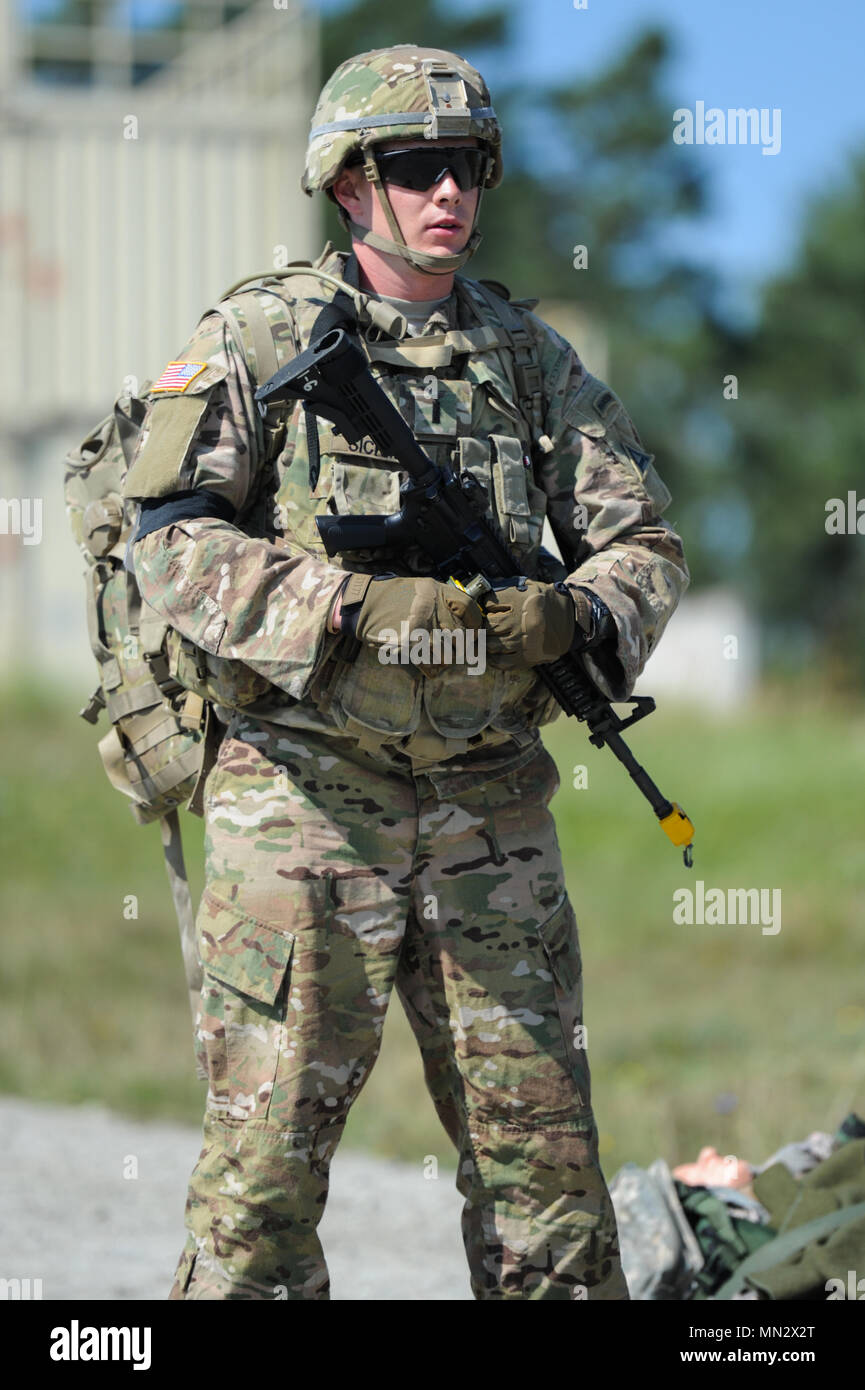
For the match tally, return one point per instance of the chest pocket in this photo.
(498, 455)
(501, 465)
(365, 480)
(357, 478)
(437, 411)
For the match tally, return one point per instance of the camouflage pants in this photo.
(329, 880)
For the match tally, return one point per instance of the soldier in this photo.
(369, 824)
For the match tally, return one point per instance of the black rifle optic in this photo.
(443, 515)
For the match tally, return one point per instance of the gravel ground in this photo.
(69, 1217)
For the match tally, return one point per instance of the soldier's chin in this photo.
(446, 245)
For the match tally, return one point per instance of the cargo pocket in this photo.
(243, 1006)
(368, 487)
(561, 943)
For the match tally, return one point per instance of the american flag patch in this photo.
(178, 375)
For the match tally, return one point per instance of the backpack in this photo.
(164, 736)
(154, 750)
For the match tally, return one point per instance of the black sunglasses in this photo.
(420, 169)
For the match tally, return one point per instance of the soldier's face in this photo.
(437, 220)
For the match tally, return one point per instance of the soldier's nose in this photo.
(448, 186)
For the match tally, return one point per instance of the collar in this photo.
(454, 328)
(345, 264)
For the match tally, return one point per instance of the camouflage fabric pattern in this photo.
(270, 614)
(391, 81)
(330, 880)
(596, 483)
(349, 797)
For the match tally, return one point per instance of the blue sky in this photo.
(801, 56)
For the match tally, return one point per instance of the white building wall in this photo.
(709, 655)
(124, 214)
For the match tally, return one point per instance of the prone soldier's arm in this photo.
(196, 467)
(605, 505)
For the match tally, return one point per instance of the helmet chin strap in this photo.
(421, 260)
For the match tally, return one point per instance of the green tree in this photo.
(802, 389)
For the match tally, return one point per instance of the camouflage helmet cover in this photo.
(391, 93)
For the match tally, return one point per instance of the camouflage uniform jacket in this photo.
(249, 599)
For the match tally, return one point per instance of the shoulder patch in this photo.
(640, 457)
(177, 376)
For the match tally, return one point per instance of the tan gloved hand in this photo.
(374, 604)
(530, 625)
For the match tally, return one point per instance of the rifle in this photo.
(443, 515)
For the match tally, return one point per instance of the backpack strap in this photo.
(264, 352)
(172, 848)
(263, 361)
(255, 335)
(523, 361)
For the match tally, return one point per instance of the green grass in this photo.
(697, 1034)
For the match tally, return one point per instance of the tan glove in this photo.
(372, 604)
(531, 625)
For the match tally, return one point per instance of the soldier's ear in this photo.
(345, 191)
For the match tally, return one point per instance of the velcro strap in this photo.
(437, 349)
(143, 741)
(355, 589)
(412, 353)
(193, 708)
(142, 696)
(139, 726)
(181, 506)
(167, 778)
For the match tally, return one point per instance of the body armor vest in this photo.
(461, 391)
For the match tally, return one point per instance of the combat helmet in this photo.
(392, 93)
